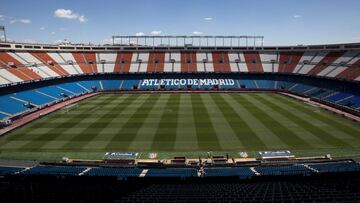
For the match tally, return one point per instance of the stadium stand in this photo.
(283, 170)
(172, 172)
(326, 187)
(54, 170)
(120, 173)
(242, 172)
(36, 65)
(336, 167)
(8, 170)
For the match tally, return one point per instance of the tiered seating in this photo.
(123, 61)
(10, 105)
(7, 170)
(72, 87)
(129, 84)
(53, 91)
(7, 77)
(55, 170)
(66, 61)
(47, 60)
(300, 88)
(40, 68)
(33, 97)
(336, 167)
(242, 172)
(3, 115)
(172, 172)
(338, 96)
(284, 85)
(353, 102)
(106, 63)
(111, 84)
(86, 61)
(265, 84)
(253, 62)
(120, 173)
(269, 61)
(89, 84)
(283, 170)
(17, 68)
(266, 191)
(250, 84)
(35, 65)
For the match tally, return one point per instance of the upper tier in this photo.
(29, 62)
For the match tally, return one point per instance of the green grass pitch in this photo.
(183, 124)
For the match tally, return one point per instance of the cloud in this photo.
(69, 14)
(42, 28)
(24, 21)
(156, 32)
(297, 16)
(197, 33)
(139, 34)
(52, 33)
(208, 18)
(82, 19)
(62, 29)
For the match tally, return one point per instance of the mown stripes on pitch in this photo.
(239, 126)
(281, 131)
(308, 125)
(165, 135)
(185, 123)
(207, 138)
(132, 126)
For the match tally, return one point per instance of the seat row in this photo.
(26, 66)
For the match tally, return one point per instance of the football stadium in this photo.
(177, 118)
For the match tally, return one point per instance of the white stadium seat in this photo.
(69, 57)
(242, 65)
(109, 65)
(314, 61)
(266, 59)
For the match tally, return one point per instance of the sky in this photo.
(281, 22)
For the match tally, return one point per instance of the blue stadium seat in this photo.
(120, 173)
(55, 170)
(300, 88)
(242, 172)
(2, 115)
(10, 105)
(265, 84)
(129, 84)
(90, 84)
(336, 167)
(73, 87)
(111, 84)
(53, 91)
(172, 172)
(283, 170)
(33, 97)
(338, 96)
(4, 170)
(249, 84)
